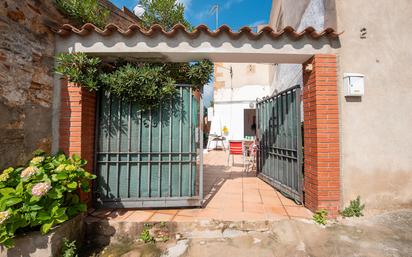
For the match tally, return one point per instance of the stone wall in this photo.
(26, 75)
(26, 78)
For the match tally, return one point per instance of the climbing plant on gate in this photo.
(146, 84)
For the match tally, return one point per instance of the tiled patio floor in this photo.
(231, 195)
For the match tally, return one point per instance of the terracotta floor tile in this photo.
(255, 198)
(278, 210)
(251, 191)
(232, 194)
(232, 208)
(250, 216)
(210, 213)
(189, 212)
(229, 197)
(276, 216)
(272, 202)
(140, 216)
(232, 190)
(266, 187)
(119, 215)
(157, 217)
(286, 201)
(167, 211)
(270, 191)
(214, 204)
(299, 212)
(254, 207)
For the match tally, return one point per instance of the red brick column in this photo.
(321, 134)
(77, 124)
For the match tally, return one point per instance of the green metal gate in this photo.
(280, 144)
(149, 159)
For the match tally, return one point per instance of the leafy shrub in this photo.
(164, 12)
(321, 217)
(41, 195)
(84, 11)
(195, 73)
(354, 209)
(69, 248)
(79, 68)
(146, 84)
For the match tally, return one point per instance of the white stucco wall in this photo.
(230, 104)
(376, 142)
(237, 86)
(376, 138)
(243, 74)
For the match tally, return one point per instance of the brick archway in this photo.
(321, 134)
(321, 131)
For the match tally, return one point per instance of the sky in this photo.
(235, 13)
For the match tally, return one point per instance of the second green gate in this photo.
(147, 159)
(280, 145)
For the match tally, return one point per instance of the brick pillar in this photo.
(321, 134)
(77, 124)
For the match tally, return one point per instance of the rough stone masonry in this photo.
(26, 75)
(26, 78)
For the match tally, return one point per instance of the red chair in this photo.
(236, 148)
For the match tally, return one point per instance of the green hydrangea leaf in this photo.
(7, 191)
(43, 215)
(61, 175)
(35, 207)
(61, 218)
(46, 227)
(55, 194)
(72, 185)
(13, 201)
(34, 199)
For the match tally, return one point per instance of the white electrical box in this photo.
(354, 84)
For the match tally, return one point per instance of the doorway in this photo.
(249, 122)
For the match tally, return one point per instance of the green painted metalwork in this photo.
(280, 146)
(147, 158)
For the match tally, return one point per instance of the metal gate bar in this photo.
(280, 146)
(149, 159)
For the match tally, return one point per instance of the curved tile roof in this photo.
(154, 30)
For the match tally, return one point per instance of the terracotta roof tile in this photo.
(88, 28)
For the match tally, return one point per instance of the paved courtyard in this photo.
(231, 193)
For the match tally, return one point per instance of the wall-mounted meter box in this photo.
(354, 84)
